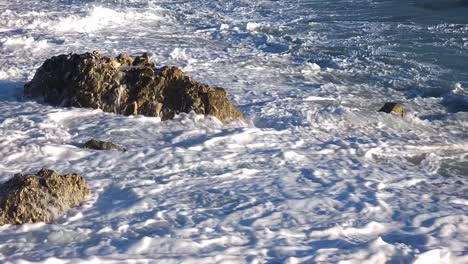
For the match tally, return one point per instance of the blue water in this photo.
(419, 47)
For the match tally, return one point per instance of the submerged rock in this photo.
(128, 85)
(40, 197)
(392, 107)
(103, 145)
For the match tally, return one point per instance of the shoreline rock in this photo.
(40, 197)
(103, 145)
(128, 85)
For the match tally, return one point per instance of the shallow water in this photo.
(315, 174)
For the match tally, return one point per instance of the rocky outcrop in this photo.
(392, 107)
(40, 197)
(103, 145)
(128, 85)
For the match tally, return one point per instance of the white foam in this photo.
(252, 26)
(11, 73)
(311, 68)
(99, 18)
(458, 89)
(435, 256)
(459, 201)
(373, 228)
(24, 43)
(315, 174)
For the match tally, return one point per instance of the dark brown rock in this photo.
(40, 197)
(103, 145)
(392, 107)
(127, 85)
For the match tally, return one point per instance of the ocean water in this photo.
(313, 175)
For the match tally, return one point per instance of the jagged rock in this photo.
(392, 107)
(127, 85)
(40, 197)
(103, 145)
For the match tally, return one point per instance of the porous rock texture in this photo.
(128, 85)
(40, 197)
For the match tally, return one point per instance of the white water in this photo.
(315, 174)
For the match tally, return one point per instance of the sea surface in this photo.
(314, 175)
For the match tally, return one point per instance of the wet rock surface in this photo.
(40, 197)
(103, 145)
(128, 85)
(392, 107)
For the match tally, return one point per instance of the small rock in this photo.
(40, 197)
(103, 145)
(392, 107)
